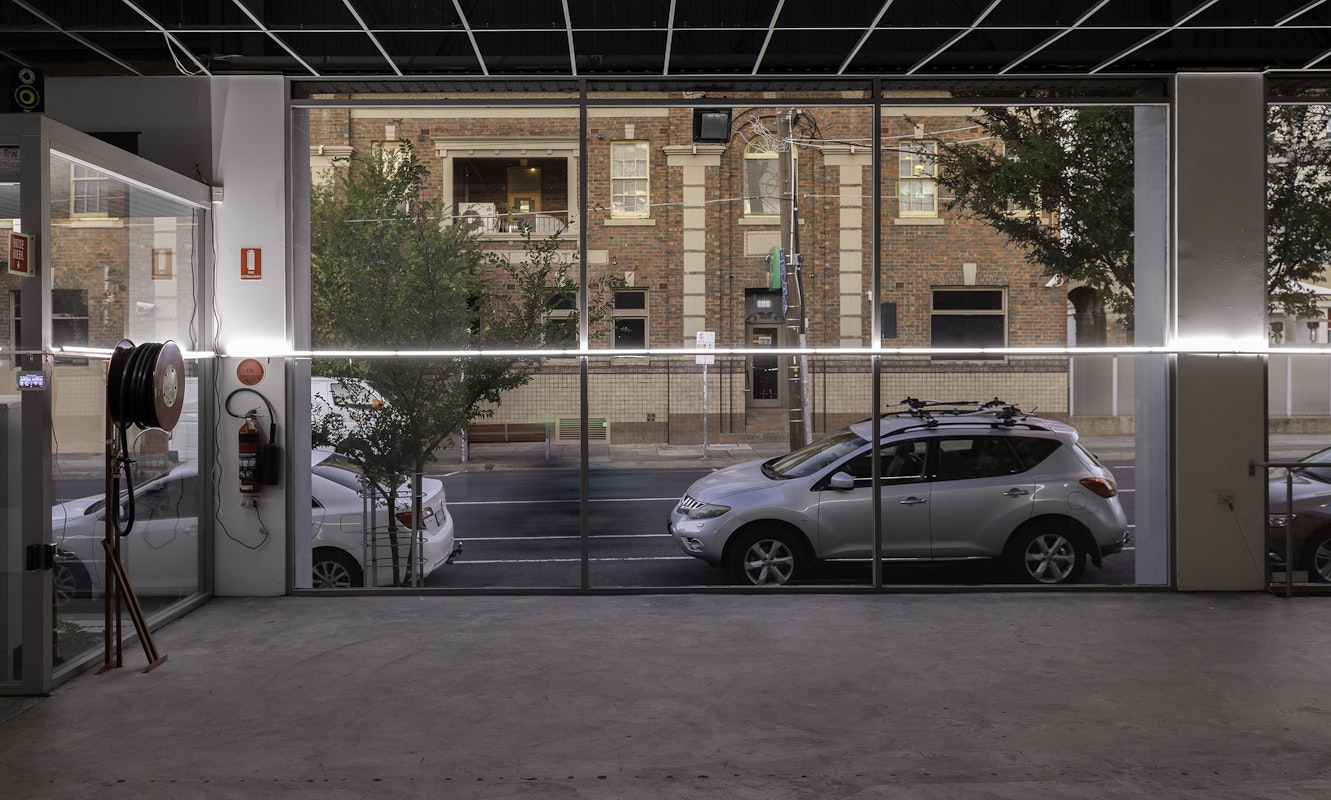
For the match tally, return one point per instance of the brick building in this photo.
(690, 227)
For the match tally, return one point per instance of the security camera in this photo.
(144, 308)
(1055, 282)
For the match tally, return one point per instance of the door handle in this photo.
(912, 501)
(1015, 492)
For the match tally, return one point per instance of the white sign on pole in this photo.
(706, 341)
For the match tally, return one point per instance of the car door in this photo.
(161, 553)
(981, 494)
(845, 516)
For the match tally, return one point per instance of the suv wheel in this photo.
(768, 558)
(1046, 554)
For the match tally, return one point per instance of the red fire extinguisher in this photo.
(249, 454)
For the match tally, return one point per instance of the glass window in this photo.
(630, 320)
(762, 180)
(976, 457)
(629, 180)
(902, 463)
(813, 457)
(917, 189)
(968, 318)
(1032, 451)
(89, 192)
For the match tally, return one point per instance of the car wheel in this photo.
(69, 580)
(334, 569)
(768, 558)
(1046, 554)
(1319, 558)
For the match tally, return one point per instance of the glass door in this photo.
(765, 383)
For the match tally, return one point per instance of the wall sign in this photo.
(20, 251)
(249, 372)
(251, 263)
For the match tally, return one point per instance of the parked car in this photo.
(161, 552)
(957, 483)
(1311, 523)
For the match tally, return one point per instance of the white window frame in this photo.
(917, 183)
(94, 187)
(447, 148)
(630, 184)
(755, 152)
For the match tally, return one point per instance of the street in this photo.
(520, 528)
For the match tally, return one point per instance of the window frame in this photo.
(1001, 313)
(642, 314)
(912, 170)
(755, 152)
(101, 197)
(618, 180)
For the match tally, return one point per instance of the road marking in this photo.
(572, 560)
(452, 503)
(548, 538)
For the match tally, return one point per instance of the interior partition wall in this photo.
(740, 293)
(116, 253)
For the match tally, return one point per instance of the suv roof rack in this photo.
(932, 412)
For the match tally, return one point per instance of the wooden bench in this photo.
(506, 433)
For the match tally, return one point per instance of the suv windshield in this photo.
(813, 457)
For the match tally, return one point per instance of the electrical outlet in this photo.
(249, 502)
(1224, 497)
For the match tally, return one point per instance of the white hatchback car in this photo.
(956, 484)
(161, 552)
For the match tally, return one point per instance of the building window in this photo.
(501, 195)
(917, 191)
(762, 181)
(629, 180)
(968, 318)
(69, 320)
(89, 192)
(630, 320)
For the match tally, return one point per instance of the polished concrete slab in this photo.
(773, 696)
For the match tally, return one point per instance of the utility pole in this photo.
(792, 287)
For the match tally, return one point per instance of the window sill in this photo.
(629, 222)
(918, 221)
(94, 222)
(760, 220)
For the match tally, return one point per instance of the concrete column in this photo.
(1219, 171)
(693, 160)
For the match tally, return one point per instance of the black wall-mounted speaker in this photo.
(25, 90)
(711, 125)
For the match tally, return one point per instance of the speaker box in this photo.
(25, 90)
(711, 125)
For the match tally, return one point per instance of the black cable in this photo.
(272, 418)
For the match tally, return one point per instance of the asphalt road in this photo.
(521, 528)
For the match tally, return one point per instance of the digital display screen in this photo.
(31, 380)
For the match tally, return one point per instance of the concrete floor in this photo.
(1070, 695)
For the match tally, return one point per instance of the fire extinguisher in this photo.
(249, 454)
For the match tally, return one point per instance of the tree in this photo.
(389, 273)
(1058, 183)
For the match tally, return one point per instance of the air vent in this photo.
(569, 429)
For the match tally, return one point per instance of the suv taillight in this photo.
(1100, 486)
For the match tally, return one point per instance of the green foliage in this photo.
(1074, 168)
(390, 272)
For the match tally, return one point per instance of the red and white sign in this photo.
(251, 263)
(249, 372)
(20, 249)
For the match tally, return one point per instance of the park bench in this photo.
(506, 433)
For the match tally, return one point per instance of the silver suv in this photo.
(958, 482)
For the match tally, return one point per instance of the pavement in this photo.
(756, 696)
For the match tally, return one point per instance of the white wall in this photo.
(228, 132)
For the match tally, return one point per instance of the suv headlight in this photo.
(694, 509)
(1279, 520)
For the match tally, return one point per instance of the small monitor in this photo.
(711, 125)
(31, 381)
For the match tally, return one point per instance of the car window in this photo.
(1322, 472)
(1031, 450)
(976, 457)
(339, 475)
(813, 457)
(168, 500)
(903, 462)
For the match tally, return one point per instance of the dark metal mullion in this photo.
(584, 445)
(876, 331)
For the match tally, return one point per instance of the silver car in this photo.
(956, 484)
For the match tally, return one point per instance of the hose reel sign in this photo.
(20, 251)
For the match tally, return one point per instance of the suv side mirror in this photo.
(841, 481)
